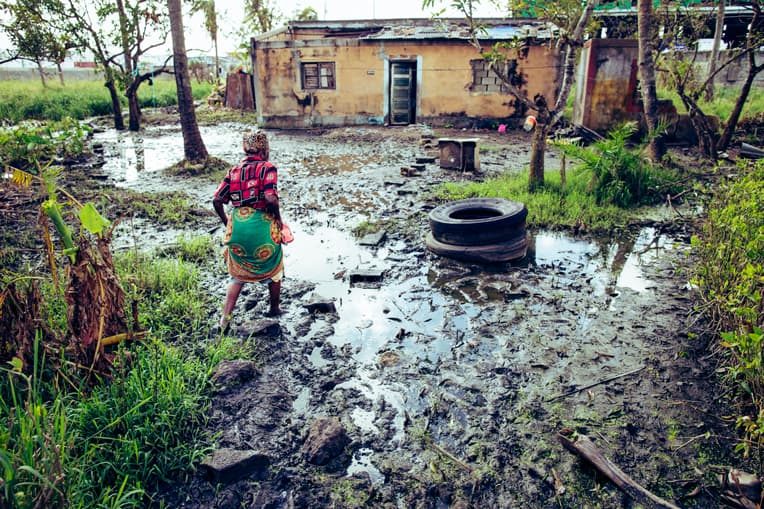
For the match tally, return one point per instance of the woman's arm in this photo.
(272, 205)
(217, 204)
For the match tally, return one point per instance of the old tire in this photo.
(478, 221)
(500, 252)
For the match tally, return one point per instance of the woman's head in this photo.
(256, 143)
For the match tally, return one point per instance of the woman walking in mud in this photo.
(253, 229)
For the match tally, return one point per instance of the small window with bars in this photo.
(318, 75)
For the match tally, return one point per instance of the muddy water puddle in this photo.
(429, 328)
(422, 337)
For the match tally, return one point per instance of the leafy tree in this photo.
(193, 145)
(688, 79)
(307, 14)
(92, 35)
(32, 37)
(571, 17)
(141, 27)
(207, 7)
(260, 16)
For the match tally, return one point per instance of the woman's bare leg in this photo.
(274, 294)
(232, 295)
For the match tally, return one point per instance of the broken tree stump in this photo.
(584, 447)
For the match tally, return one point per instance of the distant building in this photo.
(395, 72)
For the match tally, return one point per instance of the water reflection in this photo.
(444, 321)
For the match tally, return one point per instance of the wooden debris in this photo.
(585, 448)
(440, 450)
(559, 487)
(589, 386)
(117, 338)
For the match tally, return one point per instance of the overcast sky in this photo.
(231, 10)
(230, 13)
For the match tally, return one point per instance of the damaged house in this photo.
(395, 72)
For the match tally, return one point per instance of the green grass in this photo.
(550, 207)
(605, 186)
(113, 444)
(28, 99)
(723, 102)
(166, 291)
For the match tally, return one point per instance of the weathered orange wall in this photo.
(606, 84)
(359, 98)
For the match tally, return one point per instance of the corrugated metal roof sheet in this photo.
(420, 29)
(451, 30)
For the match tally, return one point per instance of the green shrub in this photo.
(617, 173)
(29, 143)
(730, 275)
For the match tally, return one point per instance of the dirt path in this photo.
(452, 380)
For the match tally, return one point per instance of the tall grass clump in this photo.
(35, 441)
(113, 444)
(110, 447)
(730, 275)
(142, 429)
(29, 100)
(166, 291)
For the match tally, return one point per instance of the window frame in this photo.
(324, 76)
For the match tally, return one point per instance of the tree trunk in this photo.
(116, 107)
(193, 145)
(753, 70)
(647, 78)
(60, 73)
(715, 50)
(538, 149)
(731, 124)
(217, 63)
(42, 74)
(132, 100)
(706, 135)
(134, 108)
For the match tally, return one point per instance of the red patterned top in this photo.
(248, 182)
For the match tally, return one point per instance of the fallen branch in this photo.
(448, 455)
(112, 340)
(581, 389)
(585, 448)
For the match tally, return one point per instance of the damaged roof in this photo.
(450, 29)
(418, 29)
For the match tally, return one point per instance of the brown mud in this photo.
(451, 380)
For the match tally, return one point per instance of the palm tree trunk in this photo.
(193, 145)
